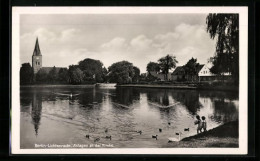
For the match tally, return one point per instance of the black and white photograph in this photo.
(129, 80)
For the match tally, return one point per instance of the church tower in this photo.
(36, 58)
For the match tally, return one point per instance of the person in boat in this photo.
(199, 123)
(204, 123)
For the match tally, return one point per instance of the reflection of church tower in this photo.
(36, 111)
(36, 58)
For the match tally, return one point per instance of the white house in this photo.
(205, 74)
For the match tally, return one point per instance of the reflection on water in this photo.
(52, 116)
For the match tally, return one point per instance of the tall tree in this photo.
(121, 72)
(63, 75)
(53, 75)
(136, 76)
(26, 74)
(152, 66)
(75, 75)
(41, 76)
(166, 63)
(226, 28)
(191, 68)
(92, 69)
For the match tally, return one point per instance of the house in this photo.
(37, 61)
(160, 75)
(180, 74)
(206, 75)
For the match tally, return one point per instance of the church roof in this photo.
(37, 51)
(48, 69)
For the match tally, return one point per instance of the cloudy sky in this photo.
(137, 38)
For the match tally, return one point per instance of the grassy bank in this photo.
(223, 136)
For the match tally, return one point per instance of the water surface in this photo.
(52, 116)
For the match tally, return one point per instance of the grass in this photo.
(223, 136)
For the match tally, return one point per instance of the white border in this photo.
(243, 77)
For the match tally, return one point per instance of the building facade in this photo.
(36, 58)
(37, 61)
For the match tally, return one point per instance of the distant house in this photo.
(206, 75)
(160, 75)
(180, 74)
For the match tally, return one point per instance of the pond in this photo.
(65, 116)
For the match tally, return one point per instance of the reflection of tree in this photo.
(36, 111)
(159, 96)
(126, 96)
(25, 101)
(219, 94)
(225, 110)
(189, 98)
(88, 98)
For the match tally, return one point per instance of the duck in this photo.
(173, 139)
(109, 137)
(106, 130)
(169, 123)
(87, 136)
(160, 130)
(97, 139)
(186, 129)
(140, 132)
(154, 136)
(70, 118)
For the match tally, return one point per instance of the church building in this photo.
(37, 60)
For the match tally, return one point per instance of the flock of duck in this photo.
(171, 139)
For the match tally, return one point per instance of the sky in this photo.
(138, 38)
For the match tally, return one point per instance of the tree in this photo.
(226, 28)
(63, 75)
(26, 74)
(104, 74)
(42, 76)
(92, 69)
(166, 63)
(152, 66)
(53, 75)
(75, 74)
(136, 74)
(121, 72)
(191, 68)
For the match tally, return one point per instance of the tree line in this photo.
(89, 71)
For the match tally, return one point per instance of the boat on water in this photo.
(106, 85)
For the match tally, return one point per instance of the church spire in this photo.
(37, 51)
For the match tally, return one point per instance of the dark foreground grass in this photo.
(223, 136)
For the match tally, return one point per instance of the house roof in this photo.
(199, 67)
(179, 68)
(48, 69)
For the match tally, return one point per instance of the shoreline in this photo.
(185, 86)
(57, 86)
(225, 135)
